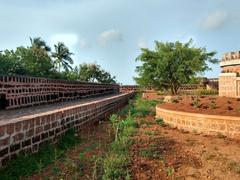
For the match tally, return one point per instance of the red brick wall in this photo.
(18, 91)
(26, 135)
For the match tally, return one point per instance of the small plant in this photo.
(160, 122)
(196, 103)
(213, 105)
(149, 133)
(175, 101)
(170, 171)
(220, 135)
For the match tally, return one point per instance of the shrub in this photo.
(206, 92)
(213, 105)
(196, 103)
(160, 122)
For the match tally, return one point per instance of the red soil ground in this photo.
(158, 153)
(206, 105)
(165, 153)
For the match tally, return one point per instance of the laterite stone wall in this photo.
(21, 91)
(203, 123)
(27, 134)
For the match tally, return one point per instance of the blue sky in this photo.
(111, 32)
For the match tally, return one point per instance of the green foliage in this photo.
(206, 92)
(170, 65)
(117, 160)
(62, 57)
(196, 103)
(213, 105)
(170, 171)
(94, 73)
(160, 122)
(26, 165)
(140, 107)
(37, 60)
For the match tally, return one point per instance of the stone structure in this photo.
(25, 130)
(129, 88)
(202, 123)
(229, 79)
(20, 91)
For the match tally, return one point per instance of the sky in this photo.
(112, 32)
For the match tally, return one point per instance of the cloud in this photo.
(68, 39)
(215, 20)
(83, 44)
(111, 35)
(141, 43)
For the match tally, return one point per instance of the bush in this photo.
(206, 92)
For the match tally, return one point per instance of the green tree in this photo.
(35, 62)
(10, 63)
(170, 65)
(39, 44)
(62, 57)
(94, 73)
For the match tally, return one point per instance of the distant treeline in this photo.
(39, 60)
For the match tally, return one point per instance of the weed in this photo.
(160, 122)
(213, 105)
(26, 165)
(196, 103)
(117, 159)
(149, 133)
(170, 171)
(220, 135)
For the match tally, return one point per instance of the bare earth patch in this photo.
(205, 105)
(165, 153)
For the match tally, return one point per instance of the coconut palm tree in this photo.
(62, 57)
(38, 43)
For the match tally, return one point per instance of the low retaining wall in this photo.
(208, 124)
(27, 134)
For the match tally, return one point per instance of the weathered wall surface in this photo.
(228, 85)
(208, 124)
(20, 91)
(27, 134)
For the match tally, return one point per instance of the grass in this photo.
(141, 107)
(206, 92)
(117, 161)
(26, 165)
(160, 122)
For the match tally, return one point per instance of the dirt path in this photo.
(165, 153)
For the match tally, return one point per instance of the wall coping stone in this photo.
(219, 117)
(28, 117)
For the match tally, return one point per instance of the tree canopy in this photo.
(170, 65)
(38, 60)
(91, 73)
